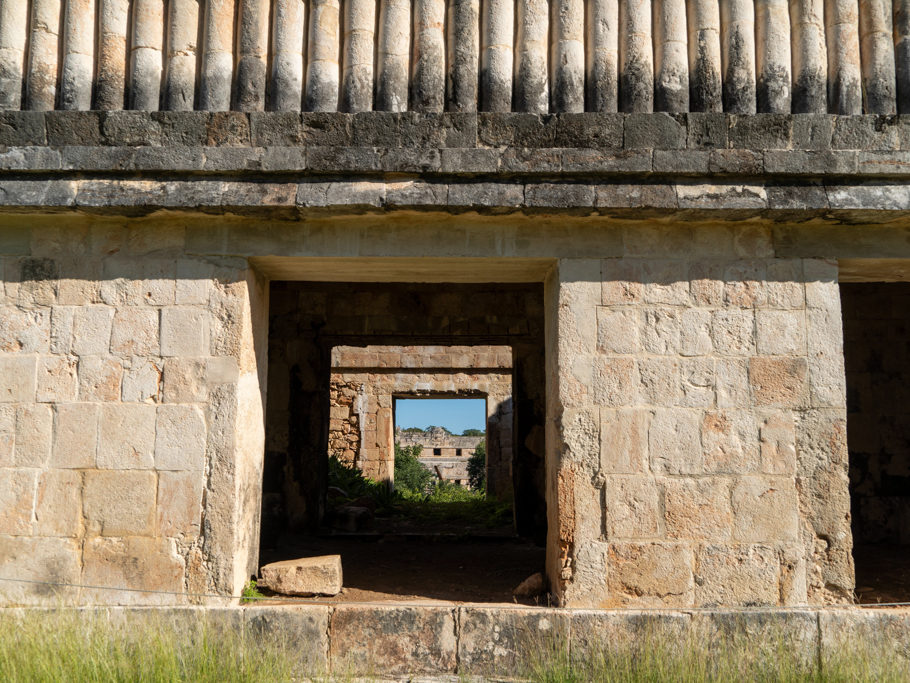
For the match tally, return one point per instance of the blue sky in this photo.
(455, 414)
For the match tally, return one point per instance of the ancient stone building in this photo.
(655, 205)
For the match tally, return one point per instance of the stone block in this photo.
(658, 381)
(129, 128)
(146, 564)
(615, 381)
(185, 380)
(99, 378)
(135, 331)
(22, 128)
(633, 507)
(674, 441)
(126, 436)
(516, 130)
(777, 436)
(120, 503)
(617, 331)
(852, 632)
(780, 333)
(759, 635)
(660, 331)
(706, 286)
(730, 441)
(228, 129)
(58, 503)
(737, 576)
(496, 639)
(698, 509)
(62, 329)
(40, 559)
(181, 128)
(706, 130)
(184, 332)
(24, 331)
(17, 501)
(179, 504)
(624, 440)
(56, 379)
(778, 380)
(654, 131)
(697, 380)
(665, 282)
(766, 510)
(732, 377)
(180, 438)
(600, 633)
(7, 435)
(304, 576)
(301, 629)
(17, 379)
(733, 332)
(695, 333)
(92, 330)
(760, 131)
(75, 436)
(650, 574)
(142, 380)
(600, 130)
(34, 429)
(393, 640)
(66, 128)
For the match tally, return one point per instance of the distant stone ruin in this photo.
(443, 453)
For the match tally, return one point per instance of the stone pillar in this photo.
(359, 30)
(636, 57)
(810, 59)
(902, 54)
(428, 65)
(41, 77)
(463, 47)
(252, 53)
(288, 40)
(77, 69)
(13, 23)
(146, 55)
(531, 69)
(603, 55)
(671, 63)
(394, 49)
(877, 53)
(567, 56)
(217, 56)
(845, 95)
(496, 62)
(737, 19)
(704, 56)
(110, 86)
(322, 77)
(772, 56)
(180, 64)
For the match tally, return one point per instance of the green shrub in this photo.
(473, 432)
(250, 593)
(410, 475)
(477, 467)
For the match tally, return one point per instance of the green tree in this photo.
(409, 473)
(477, 467)
(473, 432)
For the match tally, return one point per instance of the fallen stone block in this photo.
(303, 576)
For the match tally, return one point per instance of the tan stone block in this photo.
(658, 381)
(92, 330)
(697, 382)
(617, 330)
(78, 292)
(184, 332)
(784, 287)
(780, 333)
(660, 331)
(180, 437)
(730, 442)
(766, 509)
(194, 282)
(149, 564)
(120, 503)
(695, 333)
(665, 282)
(135, 331)
(305, 576)
(58, 504)
(62, 318)
(17, 501)
(706, 283)
(126, 436)
(744, 284)
(615, 381)
(142, 380)
(7, 435)
(53, 560)
(99, 378)
(733, 332)
(179, 503)
(778, 380)
(17, 379)
(650, 574)
(698, 509)
(777, 435)
(56, 379)
(674, 441)
(732, 377)
(633, 507)
(25, 331)
(34, 428)
(821, 284)
(733, 576)
(827, 381)
(621, 282)
(75, 435)
(185, 380)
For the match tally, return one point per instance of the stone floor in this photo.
(882, 574)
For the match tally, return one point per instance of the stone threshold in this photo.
(438, 638)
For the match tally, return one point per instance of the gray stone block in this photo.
(804, 162)
(410, 160)
(184, 128)
(736, 161)
(654, 131)
(689, 162)
(232, 158)
(280, 159)
(327, 128)
(418, 129)
(516, 130)
(812, 131)
(29, 159)
(760, 131)
(376, 129)
(276, 128)
(600, 161)
(486, 195)
(805, 197)
(866, 132)
(706, 130)
(299, 629)
(22, 128)
(531, 160)
(228, 129)
(460, 129)
(599, 130)
(469, 160)
(130, 128)
(341, 159)
(73, 128)
(559, 195)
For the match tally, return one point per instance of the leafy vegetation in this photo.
(473, 432)
(477, 468)
(250, 593)
(410, 475)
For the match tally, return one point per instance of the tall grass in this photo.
(73, 646)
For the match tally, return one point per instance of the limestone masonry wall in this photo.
(843, 57)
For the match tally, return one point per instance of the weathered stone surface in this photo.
(650, 574)
(497, 639)
(304, 576)
(145, 564)
(126, 437)
(120, 503)
(301, 628)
